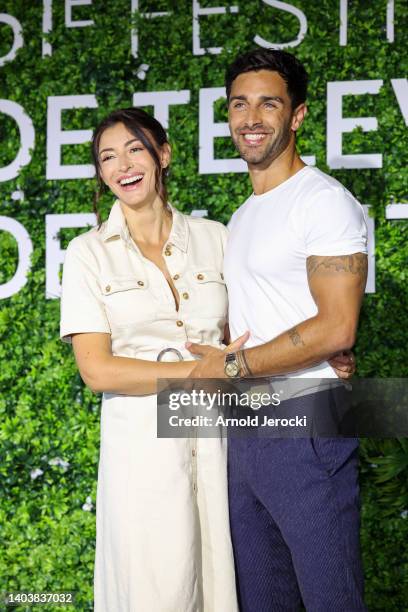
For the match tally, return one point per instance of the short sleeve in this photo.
(82, 309)
(334, 224)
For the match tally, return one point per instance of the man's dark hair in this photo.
(287, 65)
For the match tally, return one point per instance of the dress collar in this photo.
(116, 226)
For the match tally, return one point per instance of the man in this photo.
(296, 269)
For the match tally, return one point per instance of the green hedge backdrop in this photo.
(48, 420)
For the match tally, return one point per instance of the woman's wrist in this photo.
(180, 369)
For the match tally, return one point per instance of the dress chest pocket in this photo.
(128, 300)
(210, 291)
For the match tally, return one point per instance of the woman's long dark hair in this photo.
(138, 122)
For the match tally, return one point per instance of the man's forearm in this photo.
(302, 346)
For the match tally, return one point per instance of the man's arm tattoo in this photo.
(295, 337)
(355, 264)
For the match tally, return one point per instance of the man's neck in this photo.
(278, 171)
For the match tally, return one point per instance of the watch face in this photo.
(232, 369)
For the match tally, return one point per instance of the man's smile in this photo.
(253, 139)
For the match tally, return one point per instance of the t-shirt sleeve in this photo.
(334, 224)
(82, 309)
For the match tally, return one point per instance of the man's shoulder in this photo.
(322, 197)
(316, 181)
(239, 212)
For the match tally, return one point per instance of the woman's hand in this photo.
(344, 364)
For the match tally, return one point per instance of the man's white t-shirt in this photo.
(271, 236)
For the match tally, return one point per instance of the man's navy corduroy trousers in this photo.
(294, 512)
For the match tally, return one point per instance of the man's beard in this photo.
(265, 155)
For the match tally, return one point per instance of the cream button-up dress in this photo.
(163, 537)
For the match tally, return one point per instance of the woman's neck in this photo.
(149, 224)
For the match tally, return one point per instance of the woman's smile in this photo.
(131, 181)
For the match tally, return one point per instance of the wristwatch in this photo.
(231, 367)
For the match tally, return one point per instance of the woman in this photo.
(146, 280)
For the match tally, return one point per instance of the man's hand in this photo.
(344, 364)
(212, 360)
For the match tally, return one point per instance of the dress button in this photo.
(108, 288)
(167, 252)
(200, 276)
(222, 276)
(193, 452)
(179, 323)
(185, 295)
(140, 283)
(176, 276)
